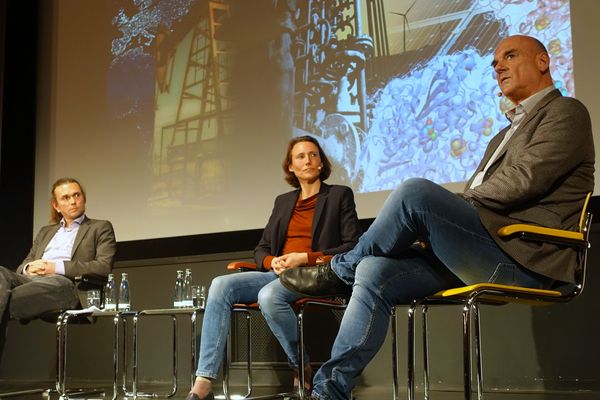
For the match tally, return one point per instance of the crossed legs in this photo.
(386, 269)
(27, 298)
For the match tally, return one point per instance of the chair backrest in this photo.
(578, 239)
(580, 275)
(582, 218)
(585, 223)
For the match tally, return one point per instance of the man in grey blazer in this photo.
(537, 170)
(72, 246)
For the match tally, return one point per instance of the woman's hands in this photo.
(290, 260)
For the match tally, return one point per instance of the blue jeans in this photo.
(386, 269)
(245, 287)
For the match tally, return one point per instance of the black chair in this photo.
(57, 317)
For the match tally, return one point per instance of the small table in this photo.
(173, 313)
(61, 340)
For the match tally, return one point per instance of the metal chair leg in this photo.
(300, 320)
(59, 353)
(116, 321)
(410, 384)
(394, 322)
(135, 356)
(227, 359)
(174, 374)
(63, 321)
(302, 394)
(125, 356)
(249, 363)
(425, 337)
(193, 355)
(467, 308)
(478, 356)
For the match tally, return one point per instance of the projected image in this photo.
(393, 89)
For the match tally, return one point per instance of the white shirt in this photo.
(60, 247)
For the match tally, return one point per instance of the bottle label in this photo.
(110, 306)
(123, 306)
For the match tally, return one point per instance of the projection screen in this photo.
(175, 114)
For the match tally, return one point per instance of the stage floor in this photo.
(361, 393)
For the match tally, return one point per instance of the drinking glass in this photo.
(93, 298)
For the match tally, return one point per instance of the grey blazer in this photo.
(540, 177)
(93, 250)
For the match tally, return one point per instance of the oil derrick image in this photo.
(193, 73)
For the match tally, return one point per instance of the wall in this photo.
(17, 127)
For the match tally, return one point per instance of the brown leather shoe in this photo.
(318, 281)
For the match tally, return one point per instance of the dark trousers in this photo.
(26, 297)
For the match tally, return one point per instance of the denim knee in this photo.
(415, 190)
(265, 298)
(219, 287)
(367, 276)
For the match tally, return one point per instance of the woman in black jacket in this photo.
(307, 227)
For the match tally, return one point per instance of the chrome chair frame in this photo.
(56, 317)
(470, 297)
(245, 309)
(300, 305)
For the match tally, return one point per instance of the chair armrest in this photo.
(498, 294)
(544, 234)
(90, 281)
(241, 266)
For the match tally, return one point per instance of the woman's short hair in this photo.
(290, 177)
(55, 215)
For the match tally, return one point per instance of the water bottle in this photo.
(110, 294)
(124, 293)
(187, 289)
(178, 292)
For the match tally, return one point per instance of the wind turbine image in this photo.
(405, 23)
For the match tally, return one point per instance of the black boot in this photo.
(318, 281)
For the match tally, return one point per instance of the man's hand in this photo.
(40, 268)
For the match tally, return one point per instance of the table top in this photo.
(95, 312)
